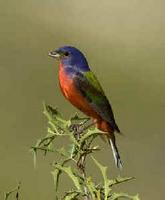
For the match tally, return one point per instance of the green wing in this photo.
(91, 89)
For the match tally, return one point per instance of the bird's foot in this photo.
(75, 127)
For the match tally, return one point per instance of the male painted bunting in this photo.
(80, 86)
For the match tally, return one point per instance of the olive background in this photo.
(125, 45)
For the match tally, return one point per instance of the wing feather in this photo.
(91, 89)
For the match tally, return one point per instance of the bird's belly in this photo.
(74, 96)
(81, 103)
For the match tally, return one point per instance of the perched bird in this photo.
(80, 86)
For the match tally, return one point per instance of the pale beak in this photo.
(54, 54)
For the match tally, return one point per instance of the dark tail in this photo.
(115, 151)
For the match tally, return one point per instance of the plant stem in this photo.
(81, 164)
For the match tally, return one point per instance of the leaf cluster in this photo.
(73, 158)
(14, 193)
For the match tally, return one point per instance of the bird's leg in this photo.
(76, 127)
(86, 127)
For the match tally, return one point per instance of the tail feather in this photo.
(116, 155)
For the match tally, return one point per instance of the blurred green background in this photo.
(124, 42)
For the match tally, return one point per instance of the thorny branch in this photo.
(82, 134)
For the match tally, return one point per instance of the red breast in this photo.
(72, 94)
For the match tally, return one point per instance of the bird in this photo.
(82, 89)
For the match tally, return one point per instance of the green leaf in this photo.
(62, 152)
(73, 139)
(71, 195)
(52, 129)
(59, 168)
(14, 191)
(51, 113)
(70, 173)
(93, 132)
(116, 196)
(75, 117)
(92, 189)
(56, 175)
(72, 150)
(119, 180)
(105, 178)
(54, 117)
(34, 152)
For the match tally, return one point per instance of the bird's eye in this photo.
(66, 53)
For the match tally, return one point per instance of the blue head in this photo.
(71, 57)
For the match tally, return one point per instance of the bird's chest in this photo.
(71, 93)
(66, 84)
